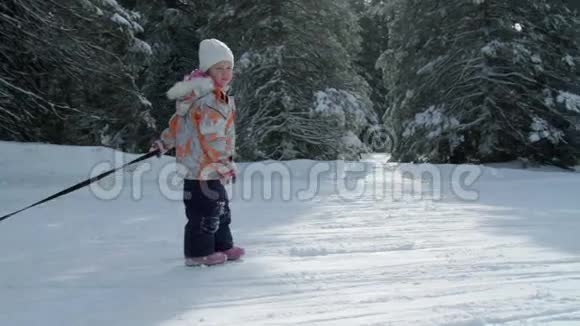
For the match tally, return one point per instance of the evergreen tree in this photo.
(171, 29)
(288, 53)
(123, 110)
(573, 4)
(67, 73)
(479, 81)
(374, 33)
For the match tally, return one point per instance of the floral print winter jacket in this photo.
(202, 129)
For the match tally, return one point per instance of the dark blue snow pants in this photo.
(208, 218)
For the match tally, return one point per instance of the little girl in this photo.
(203, 134)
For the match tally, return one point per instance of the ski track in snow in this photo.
(512, 257)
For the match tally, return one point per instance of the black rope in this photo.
(83, 184)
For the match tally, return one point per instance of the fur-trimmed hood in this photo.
(193, 87)
(188, 91)
(198, 85)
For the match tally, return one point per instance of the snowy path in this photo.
(511, 258)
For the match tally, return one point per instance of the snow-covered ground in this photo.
(356, 248)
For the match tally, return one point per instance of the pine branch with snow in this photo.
(493, 71)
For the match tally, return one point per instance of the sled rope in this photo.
(83, 184)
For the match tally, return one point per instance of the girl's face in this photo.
(221, 73)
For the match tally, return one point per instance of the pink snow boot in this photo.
(234, 253)
(213, 259)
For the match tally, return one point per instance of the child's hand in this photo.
(227, 171)
(158, 145)
(229, 178)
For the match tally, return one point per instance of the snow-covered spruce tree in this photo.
(123, 112)
(67, 73)
(479, 81)
(294, 58)
(171, 30)
(573, 4)
(374, 34)
(33, 50)
(374, 40)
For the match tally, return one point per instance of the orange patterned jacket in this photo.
(202, 130)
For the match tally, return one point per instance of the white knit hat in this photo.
(212, 51)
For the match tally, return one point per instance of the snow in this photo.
(541, 129)
(121, 20)
(144, 101)
(432, 119)
(351, 140)
(112, 3)
(346, 111)
(124, 17)
(571, 101)
(341, 104)
(491, 48)
(521, 54)
(137, 27)
(428, 68)
(366, 248)
(245, 60)
(141, 46)
(569, 60)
